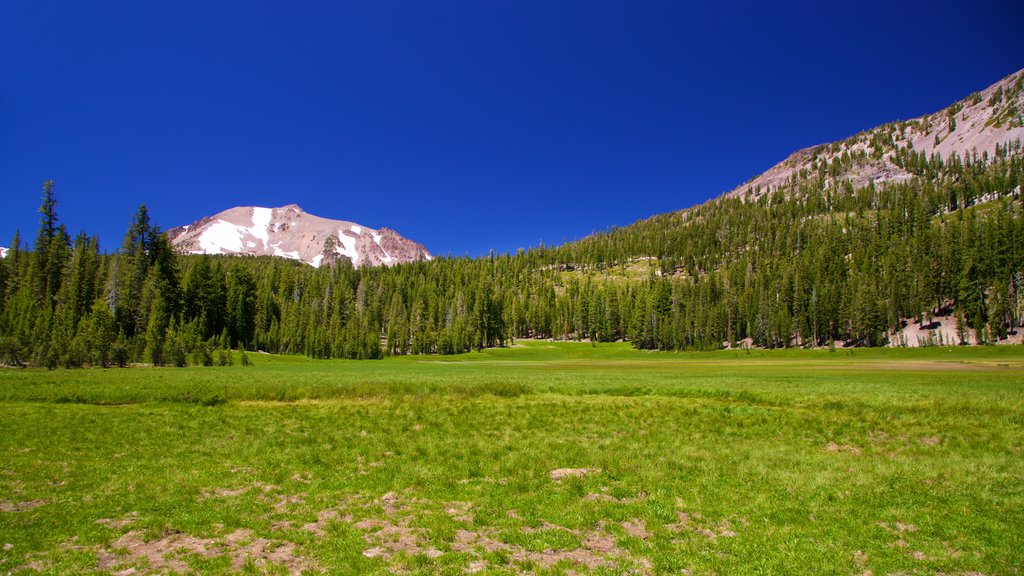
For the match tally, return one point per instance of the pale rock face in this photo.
(290, 232)
(979, 124)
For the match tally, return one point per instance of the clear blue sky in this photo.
(463, 125)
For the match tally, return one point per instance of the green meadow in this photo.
(541, 458)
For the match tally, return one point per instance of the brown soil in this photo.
(563, 473)
(169, 552)
(590, 556)
(117, 524)
(231, 492)
(898, 527)
(285, 501)
(688, 522)
(592, 497)
(395, 538)
(636, 528)
(322, 520)
(459, 511)
(833, 447)
(8, 506)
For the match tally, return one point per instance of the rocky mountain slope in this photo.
(974, 125)
(290, 232)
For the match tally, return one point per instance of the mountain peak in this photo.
(290, 232)
(975, 125)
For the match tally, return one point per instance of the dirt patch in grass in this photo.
(119, 523)
(285, 501)
(563, 473)
(636, 528)
(599, 549)
(324, 518)
(34, 564)
(163, 553)
(8, 506)
(232, 492)
(592, 497)
(459, 511)
(170, 551)
(842, 448)
(392, 538)
(694, 522)
(898, 527)
(392, 534)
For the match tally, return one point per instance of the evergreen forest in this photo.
(816, 262)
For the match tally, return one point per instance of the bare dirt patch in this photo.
(563, 473)
(285, 501)
(119, 523)
(8, 506)
(170, 551)
(392, 534)
(603, 497)
(636, 528)
(598, 549)
(696, 523)
(459, 511)
(324, 518)
(842, 448)
(391, 538)
(232, 492)
(860, 558)
(898, 527)
(162, 553)
(544, 526)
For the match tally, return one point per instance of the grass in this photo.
(782, 462)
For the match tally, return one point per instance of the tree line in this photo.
(806, 264)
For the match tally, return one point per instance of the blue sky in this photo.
(466, 126)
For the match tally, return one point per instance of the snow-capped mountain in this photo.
(3, 252)
(290, 232)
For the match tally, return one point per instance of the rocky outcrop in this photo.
(974, 125)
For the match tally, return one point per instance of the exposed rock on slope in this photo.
(290, 232)
(976, 124)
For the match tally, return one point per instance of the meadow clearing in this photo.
(543, 458)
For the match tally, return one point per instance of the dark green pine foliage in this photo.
(809, 264)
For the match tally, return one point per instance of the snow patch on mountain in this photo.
(221, 238)
(348, 244)
(3, 252)
(261, 218)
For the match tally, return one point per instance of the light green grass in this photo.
(789, 462)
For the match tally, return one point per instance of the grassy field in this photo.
(543, 458)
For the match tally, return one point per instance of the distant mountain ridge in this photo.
(290, 232)
(976, 124)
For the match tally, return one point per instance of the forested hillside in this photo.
(811, 261)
